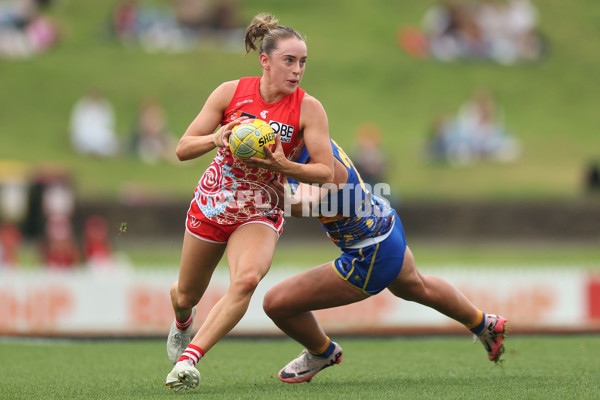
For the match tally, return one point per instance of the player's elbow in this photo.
(330, 178)
(326, 176)
(180, 153)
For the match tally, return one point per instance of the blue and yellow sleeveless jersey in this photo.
(353, 213)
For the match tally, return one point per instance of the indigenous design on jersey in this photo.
(353, 213)
(229, 191)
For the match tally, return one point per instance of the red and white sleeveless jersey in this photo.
(230, 192)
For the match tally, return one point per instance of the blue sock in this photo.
(329, 350)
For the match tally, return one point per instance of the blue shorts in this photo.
(373, 268)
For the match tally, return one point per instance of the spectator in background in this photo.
(481, 122)
(478, 132)
(592, 178)
(59, 247)
(226, 24)
(504, 31)
(453, 32)
(207, 16)
(97, 249)
(439, 135)
(92, 127)
(151, 25)
(368, 154)
(13, 209)
(24, 30)
(10, 240)
(124, 20)
(179, 25)
(152, 141)
(211, 20)
(192, 15)
(42, 4)
(510, 30)
(225, 15)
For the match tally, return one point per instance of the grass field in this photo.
(535, 367)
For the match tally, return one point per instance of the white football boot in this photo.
(306, 365)
(183, 376)
(179, 340)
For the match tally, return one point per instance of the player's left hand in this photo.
(275, 159)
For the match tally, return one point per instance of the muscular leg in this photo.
(249, 254)
(432, 291)
(289, 303)
(199, 259)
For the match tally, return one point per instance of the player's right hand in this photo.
(221, 136)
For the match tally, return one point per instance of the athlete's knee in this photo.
(187, 301)
(414, 291)
(183, 300)
(273, 304)
(246, 282)
(270, 304)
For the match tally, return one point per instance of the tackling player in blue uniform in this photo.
(374, 257)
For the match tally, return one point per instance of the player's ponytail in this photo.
(265, 27)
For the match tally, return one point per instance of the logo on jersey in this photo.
(342, 266)
(239, 103)
(239, 114)
(285, 131)
(263, 114)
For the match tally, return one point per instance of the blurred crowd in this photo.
(93, 130)
(505, 31)
(38, 207)
(177, 25)
(475, 133)
(25, 29)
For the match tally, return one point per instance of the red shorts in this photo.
(203, 228)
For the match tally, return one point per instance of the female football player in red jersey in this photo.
(227, 213)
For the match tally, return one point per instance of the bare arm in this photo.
(315, 127)
(304, 202)
(199, 139)
(301, 203)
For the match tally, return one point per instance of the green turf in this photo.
(535, 367)
(357, 71)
